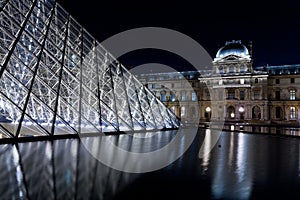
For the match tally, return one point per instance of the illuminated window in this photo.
(292, 94)
(242, 81)
(182, 111)
(172, 97)
(194, 96)
(162, 97)
(183, 96)
(293, 112)
(173, 109)
(242, 69)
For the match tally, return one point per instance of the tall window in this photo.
(162, 97)
(242, 69)
(242, 95)
(231, 94)
(277, 95)
(231, 69)
(277, 81)
(256, 80)
(194, 96)
(278, 112)
(292, 80)
(183, 96)
(293, 112)
(256, 94)
(292, 94)
(173, 109)
(172, 96)
(182, 111)
(221, 70)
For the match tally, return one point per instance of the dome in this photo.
(233, 48)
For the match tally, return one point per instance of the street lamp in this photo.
(232, 115)
(241, 110)
(207, 110)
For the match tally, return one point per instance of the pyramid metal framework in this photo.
(55, 78)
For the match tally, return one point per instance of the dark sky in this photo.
(273, 28)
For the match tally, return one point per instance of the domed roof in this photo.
(234, 47)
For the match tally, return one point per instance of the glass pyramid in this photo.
(56, 79)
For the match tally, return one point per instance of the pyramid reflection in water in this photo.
(57, 79)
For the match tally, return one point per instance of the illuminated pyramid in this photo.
(57, 79)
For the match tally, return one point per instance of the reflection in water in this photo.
(61, 169)
(64, 169)
(239, 166)
(233, 174)
(142, 154)
(207, 148)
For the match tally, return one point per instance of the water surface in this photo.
(240, 166)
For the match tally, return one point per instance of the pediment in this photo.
(231, 57)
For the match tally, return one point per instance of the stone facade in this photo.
(233, 89)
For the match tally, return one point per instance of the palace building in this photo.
(233, 89)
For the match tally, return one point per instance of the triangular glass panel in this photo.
(54, 73)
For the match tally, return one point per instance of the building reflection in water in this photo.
(238, 166)
(61, 169)
(232, 175)
(207, 147)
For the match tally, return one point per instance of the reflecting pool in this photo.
(238, 166)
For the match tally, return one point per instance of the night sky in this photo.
(274, 29)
